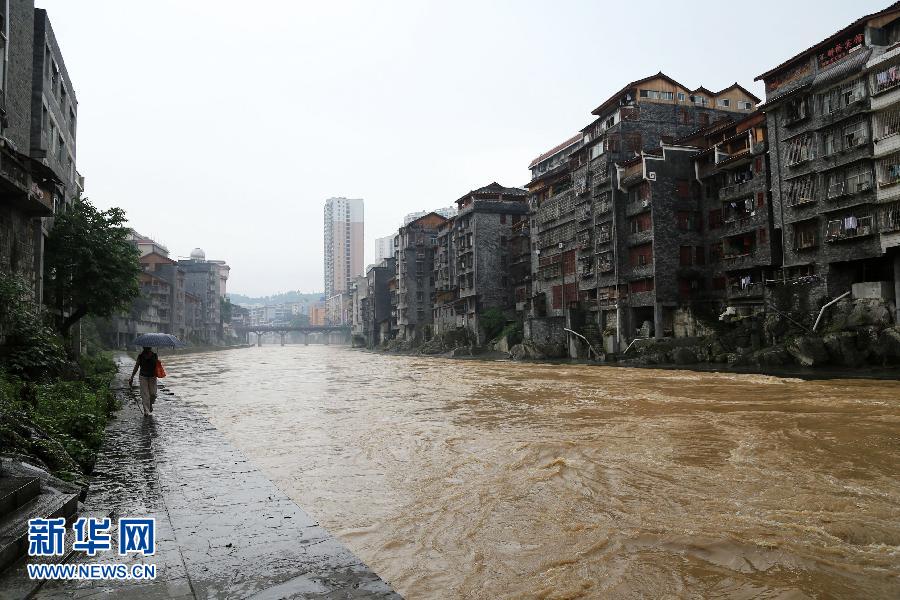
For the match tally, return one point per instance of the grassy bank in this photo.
(58, 424)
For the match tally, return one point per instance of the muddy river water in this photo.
(458, 479)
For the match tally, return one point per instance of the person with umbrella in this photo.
(149, 366)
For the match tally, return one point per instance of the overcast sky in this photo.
(225, 125)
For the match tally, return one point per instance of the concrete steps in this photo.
(14, 582)
(47, 503)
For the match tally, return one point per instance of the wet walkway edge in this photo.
(223, 529)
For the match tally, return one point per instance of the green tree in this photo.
(91, 268)
(28, 348)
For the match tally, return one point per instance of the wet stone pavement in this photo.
(223, 530)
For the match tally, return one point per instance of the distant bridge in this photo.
(328, 332)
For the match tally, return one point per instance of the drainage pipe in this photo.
(575, 333)
(821, 312)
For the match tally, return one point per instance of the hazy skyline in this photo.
(224, 127)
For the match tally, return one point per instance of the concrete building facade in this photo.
(834, 117)
(592, 264)
(473, 258)
(414, 248)
(344, 255)
(37, 169)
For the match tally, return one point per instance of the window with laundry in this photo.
(889, 170)
(849, 226)
(735, 210)
(885, 79)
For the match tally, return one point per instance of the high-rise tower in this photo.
(343, 243)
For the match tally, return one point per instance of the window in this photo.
(797, 110)
(745, 105)
(725, 102)
(843, 96)
(700, 100)
(886, 79)
(887, 123)
(889, 170)
(644, 93)
(685, 256)
(667, 95)
(640, 223)
(641, 285)
(681, 97)
(60, 149)
(700, 255)
(805, 235)
(687, 221)
(801, 190)
(799, 149)
(640, 256)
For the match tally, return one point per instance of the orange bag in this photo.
(160, 372)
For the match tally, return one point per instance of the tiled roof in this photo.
(496, 188)
(797, 57)
(572, 140)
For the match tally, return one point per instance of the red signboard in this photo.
(840, 49)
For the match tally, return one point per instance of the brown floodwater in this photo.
(461, 479)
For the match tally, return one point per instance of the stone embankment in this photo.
(852, 334)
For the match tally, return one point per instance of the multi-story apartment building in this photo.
(833, 120)
(698, 230)
(377, 314)
(592, 208)
(473, 258)
(447, 212)
(384, 248)
(414, 248)
(742, 251)
(344, 232)
(206, 280)
(54, 114)
(37, 156)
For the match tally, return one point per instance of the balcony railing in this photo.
(735, 189)
(750, 290)
(733, 261)
(846, 229)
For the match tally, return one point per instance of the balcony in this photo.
(730, 192)
(737, 261)
(640, 237)
(18, 190)
(842, 230)
(641, 298)
(744, 221)
(640, 271)
(637, 206)
(752, 290)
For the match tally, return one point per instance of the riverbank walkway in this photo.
(223, 530)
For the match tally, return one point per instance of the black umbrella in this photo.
(158, 340)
